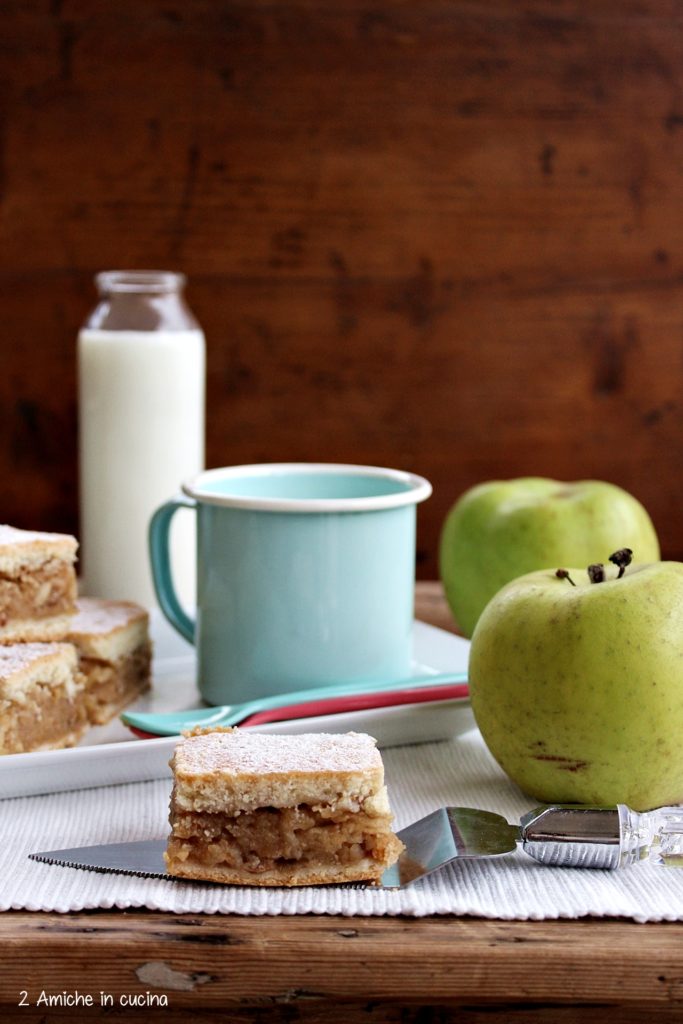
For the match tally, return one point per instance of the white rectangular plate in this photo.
(108, 755)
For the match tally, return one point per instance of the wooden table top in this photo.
(340, 970)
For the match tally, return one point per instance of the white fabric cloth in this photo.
(420, 778)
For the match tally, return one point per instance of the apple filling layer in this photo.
(49, 718)
(37, 593)
(291, 845)
(112, 685)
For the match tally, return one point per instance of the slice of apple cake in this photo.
(42, 704)
(115, 653)
(264, 809)
(37, 584)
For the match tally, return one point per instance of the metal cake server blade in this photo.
(449, 834)
(431, 842)
(558, 835)
(144, 859)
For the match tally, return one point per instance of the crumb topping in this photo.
(17, 657)
(232, 751)
(95, 615)
(10, 536)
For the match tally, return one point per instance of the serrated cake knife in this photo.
(557, 835)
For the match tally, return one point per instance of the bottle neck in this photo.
(139, 282)
(141, 300)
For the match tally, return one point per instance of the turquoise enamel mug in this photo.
(305, 576)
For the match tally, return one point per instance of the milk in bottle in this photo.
(141, 429)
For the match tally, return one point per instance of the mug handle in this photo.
(160, 561)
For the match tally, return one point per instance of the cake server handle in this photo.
(603, 837)
(557, 835)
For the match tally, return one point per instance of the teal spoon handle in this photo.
(175, 722)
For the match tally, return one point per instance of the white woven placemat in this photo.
(421, 778)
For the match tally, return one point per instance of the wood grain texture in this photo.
(443, 236)
(367, 968)
(336, 970)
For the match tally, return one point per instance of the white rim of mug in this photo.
(418, 489)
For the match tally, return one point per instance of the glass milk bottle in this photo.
(141, 429)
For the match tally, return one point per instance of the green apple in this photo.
(500, 530)
(578, 689)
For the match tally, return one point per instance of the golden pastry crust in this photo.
(23, 666)
(21, 549)
(36, 630)
(108, 629)
(236, 770)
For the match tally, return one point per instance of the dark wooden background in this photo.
(443, 235)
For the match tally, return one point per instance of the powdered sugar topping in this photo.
(238, 752)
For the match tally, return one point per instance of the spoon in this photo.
(300, 704)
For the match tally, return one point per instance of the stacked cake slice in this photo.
(115, 653)
(51, 691)
(37, 584)
(42, 702)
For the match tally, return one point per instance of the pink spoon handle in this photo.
(360, 702)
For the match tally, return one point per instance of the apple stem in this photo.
(596, 573)
(562, 574)
(622, 558)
